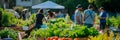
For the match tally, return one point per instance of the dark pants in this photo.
(88, 25)
(102, 25)
(38, 25)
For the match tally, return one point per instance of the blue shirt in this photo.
(89, 16)
(103, 14)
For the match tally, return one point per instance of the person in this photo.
(78, 15)
(0, 18)
(27, 14)
(89, 16)
(39, 18)
(102, 17)
(51, 15)
(60, 15)
(23, 15)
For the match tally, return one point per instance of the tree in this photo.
(70, 5)
(110, 5)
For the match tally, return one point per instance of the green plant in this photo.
(64, 33)
(33, 38)
(108, 22)
(12, 34)
(21, 22)
(40, 33)
(114, 21)
(56, 32)
(7, 18)
(93, 31)
(32, 17)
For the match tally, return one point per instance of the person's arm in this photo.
(77, 19)
(104, 16)
(35, 17)
(48, 17)
(84, 15)
(54, 16)
(44, 19)
(83, 19)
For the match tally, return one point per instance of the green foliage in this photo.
(12, 34)
(64, 33)
(21, 22)
(82, 32)
(76, 31)
(32, 17)
(59, 27)
(113, 21)
(110, 5)
(33, 38)
(7, 18)
(93, 31)
(70, 5)
(40, 33)
(56, 32)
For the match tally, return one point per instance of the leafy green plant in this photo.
(21, 22)
(114, 21)
(64, 33)
(7, 18)
(40, 33)
(32, 17)
(93, 31)
(12, 34)
(33, 38)
(56, 32)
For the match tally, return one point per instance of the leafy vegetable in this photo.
(4, 33)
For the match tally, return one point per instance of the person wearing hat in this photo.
(89, 16)
(78, 15)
